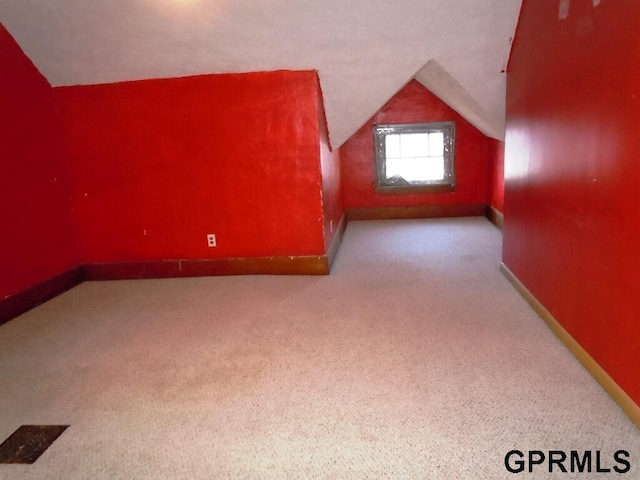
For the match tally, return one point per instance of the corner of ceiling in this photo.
(442, 84)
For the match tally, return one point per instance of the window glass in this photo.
(414, 156)
(413, 145)
(436, 144)
(392, 146)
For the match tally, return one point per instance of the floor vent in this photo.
(28, 442)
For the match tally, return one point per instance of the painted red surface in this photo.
(496, 161)
(37, 236)
(572, 214)
(331, 180)
(413, 104)
(158, 164)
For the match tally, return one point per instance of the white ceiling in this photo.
(364, 50)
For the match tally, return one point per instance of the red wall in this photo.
(331, 180)
(158, 164)
(414, 103)
(496, 169)
(37, 236)
(572, 214)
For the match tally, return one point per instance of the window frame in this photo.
(385, 185)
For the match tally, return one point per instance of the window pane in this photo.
(424, 169)
(419, 169)
(415, 169)
(414, 145)
(436, 144)
(393, 167)
(392, 146)
(434, 169)
(407, 168)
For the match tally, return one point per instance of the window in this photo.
(414, 157)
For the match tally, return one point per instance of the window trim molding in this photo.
(382, 186)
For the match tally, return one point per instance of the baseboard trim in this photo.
(424, 211)
(332, 252)
(625, 402)
(21, 302)
(495, 216)
(292, 265)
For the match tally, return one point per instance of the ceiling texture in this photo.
(365, 51)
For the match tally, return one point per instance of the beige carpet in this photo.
(414, 359)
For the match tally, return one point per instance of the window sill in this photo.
(411, 189)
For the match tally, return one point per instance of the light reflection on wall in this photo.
(516, 155)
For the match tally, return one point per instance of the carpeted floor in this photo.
(414, 359)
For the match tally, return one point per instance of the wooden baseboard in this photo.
(425, 211)
(332, 252)
(21, 302)
(602, 377)
(301, 265)
(495, 216)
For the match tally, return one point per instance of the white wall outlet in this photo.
(211, 239)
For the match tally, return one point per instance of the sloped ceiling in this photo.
(364, 50)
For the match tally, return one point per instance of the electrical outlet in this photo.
(211, 239)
